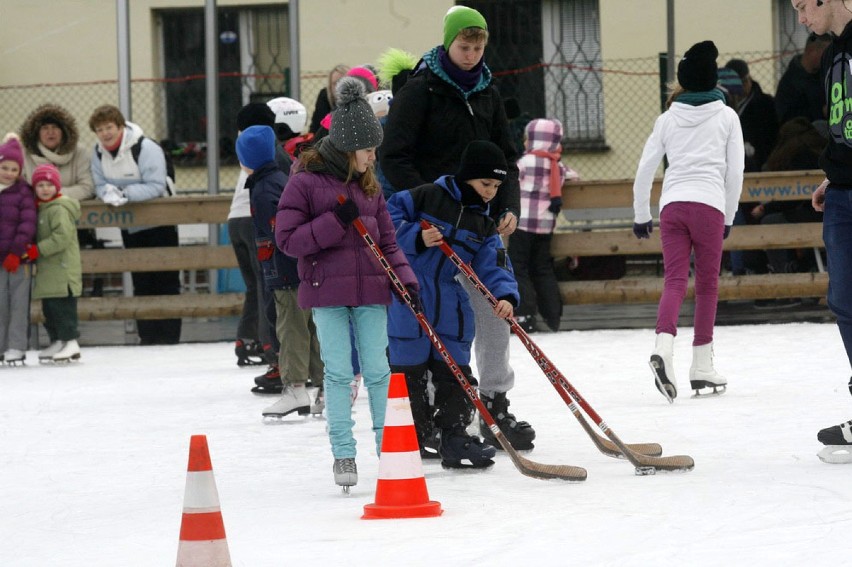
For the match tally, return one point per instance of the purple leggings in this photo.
(687, 228)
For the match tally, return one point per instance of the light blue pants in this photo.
(369, 325)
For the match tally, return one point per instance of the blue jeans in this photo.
(837, 234)
(369, 326)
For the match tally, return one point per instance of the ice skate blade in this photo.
(699, 385)
(836, 454)
(666, 388)
(467, 465)
(302, 411)
(266, 391)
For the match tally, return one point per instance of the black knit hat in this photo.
(354, 126)
(697, 70)
(255, 114)
(482, 159)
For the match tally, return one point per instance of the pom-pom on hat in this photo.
(255, 114)
(697, 69)
(482, 159)
(354, 126)
(256, 146)
(459, 18)
(47, 172)
(10, 150)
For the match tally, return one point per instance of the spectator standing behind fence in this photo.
(17, 231)
(299, 355)
(59, 275)
(341, 281)
(121, 178)
(541, 175)
(449, 101)
(834, 195)
(326, 102)
(701, 138)
(800, 90)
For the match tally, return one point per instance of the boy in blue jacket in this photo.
(299, 356)
(457, 207)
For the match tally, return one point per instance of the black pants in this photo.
(533, 266)
(155, 331)
(60, 318)
(253, 322)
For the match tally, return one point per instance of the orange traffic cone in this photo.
(202, 531)
(401, 487)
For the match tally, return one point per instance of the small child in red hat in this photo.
(59, 276)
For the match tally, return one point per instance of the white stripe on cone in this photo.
(400, 466)
(201, 494)
(398, 412)
(212, 553)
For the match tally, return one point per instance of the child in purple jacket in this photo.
(341, 280)
(17, 232)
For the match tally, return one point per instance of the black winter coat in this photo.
(429, 125)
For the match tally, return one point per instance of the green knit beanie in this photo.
(459, 18)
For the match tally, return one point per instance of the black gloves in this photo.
(727, 231)
(555, 205)
(347, 212)
(415, 299)
(644, 229)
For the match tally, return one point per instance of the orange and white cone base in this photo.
(202, 531)
(401, 487)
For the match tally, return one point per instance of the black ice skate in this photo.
(269, 382)
(430, 447)
(838, 444)
(249, 353)
(462, 451)
(519, 433)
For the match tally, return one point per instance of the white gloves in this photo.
(113, 195)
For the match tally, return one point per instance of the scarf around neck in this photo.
(53, 157)
(699, 98)
(555, 177)
(466, 80)
(335, 162)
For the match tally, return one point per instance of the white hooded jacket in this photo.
(704, 146)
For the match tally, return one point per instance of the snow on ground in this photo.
(93, 463)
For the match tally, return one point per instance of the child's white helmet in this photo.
(290, 112)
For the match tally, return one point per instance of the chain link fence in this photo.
(631, 102)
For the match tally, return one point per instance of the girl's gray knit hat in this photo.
(353, 124)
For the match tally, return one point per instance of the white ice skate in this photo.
(294, 398)
(703, 376)
(345, 473)
(662, 365)
(69, 351)
(14, 357)
(46, 355)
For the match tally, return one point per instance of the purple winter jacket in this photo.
(17, 219)
(336, 267)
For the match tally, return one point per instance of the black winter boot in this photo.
(462, 451)
(519, 433)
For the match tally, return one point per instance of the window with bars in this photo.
(253, 52)
(546, 55)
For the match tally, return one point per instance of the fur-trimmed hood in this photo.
(47, 113)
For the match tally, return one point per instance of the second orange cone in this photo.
(401, 487)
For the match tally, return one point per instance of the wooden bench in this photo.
(592, 199)
(618, 195)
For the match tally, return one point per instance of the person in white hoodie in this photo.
(703, 143)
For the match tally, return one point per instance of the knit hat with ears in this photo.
(10, 150)
(459, 18)
(256, 146)
(47, 172)
(697, 70)
(482, 159)
(354, 126)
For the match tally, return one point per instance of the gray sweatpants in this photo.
(14, 308)
(490, 345)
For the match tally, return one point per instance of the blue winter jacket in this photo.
(472, 234)
(265, 186)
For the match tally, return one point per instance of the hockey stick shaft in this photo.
(524, 465)
(645, 464)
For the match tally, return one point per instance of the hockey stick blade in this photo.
(643, 463)
(525, 466)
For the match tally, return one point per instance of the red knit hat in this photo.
(47, 172)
